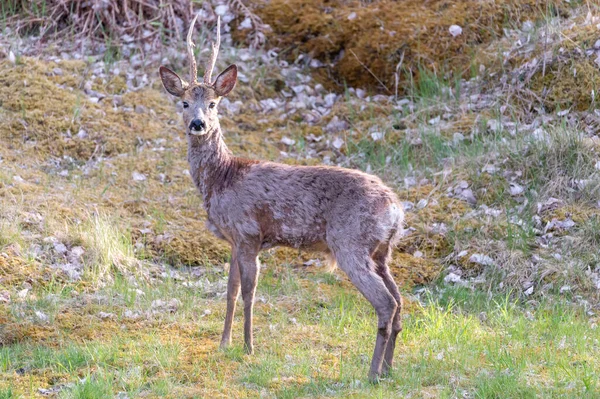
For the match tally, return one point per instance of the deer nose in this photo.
(197, 125)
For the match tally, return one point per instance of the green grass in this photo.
(314, 337)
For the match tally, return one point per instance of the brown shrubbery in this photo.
(362, 44)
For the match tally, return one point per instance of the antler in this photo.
(210, 65)
(190, 50)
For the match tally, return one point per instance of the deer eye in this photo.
(185, 105)
(212, 105)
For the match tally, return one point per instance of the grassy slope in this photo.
(106, 334)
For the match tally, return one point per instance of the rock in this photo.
(158, 305)
(516, 189)
(57, 71)
(527, 26)
(452, 278)
(82, 134)
(481, 259)
(422, 203)
(455, 30)
(338, 143)
(131, 315)
(288, 141)
(467, 195)
(105, 316)
(41, 316)
(336, 125)
(330, 99)
(140, 109)
(376, 136)
(60, 248)
(117, 101)
(351, 16)
(136, 176)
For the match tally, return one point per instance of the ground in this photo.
(110, 285)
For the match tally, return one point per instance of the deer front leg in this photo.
(248, 265)
(233, 291)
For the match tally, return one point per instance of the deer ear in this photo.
(226, 81)
(172, 82)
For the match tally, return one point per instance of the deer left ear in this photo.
(226, 81)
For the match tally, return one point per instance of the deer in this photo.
(255, 205)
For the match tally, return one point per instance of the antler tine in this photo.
(210, 65)
(190, 50)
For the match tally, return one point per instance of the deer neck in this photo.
(209, 159)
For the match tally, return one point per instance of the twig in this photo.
(371, 72)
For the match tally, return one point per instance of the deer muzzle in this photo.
(197, 127)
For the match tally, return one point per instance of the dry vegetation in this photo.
(110, 285)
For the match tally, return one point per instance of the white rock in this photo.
(481, 259)
(527, 26)
(529, 291)
(288, 141)
(60, 248)
(221, 9)
(455, 30)
(136, 176)
(422, 203)
(516, 189)
(12, 58)
(565, 288)
(43, 317)
(104, 315)
(467, 195)
(376, 136)
(330, 99)
(452, 278)
(338, 143)
(82, 134)
(351, 16)
(246, 24)
(458, 137)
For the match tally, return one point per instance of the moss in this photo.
(409, 270)
(385, 32)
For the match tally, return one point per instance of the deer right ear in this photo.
(172, 82)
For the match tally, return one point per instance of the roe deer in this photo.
(255, 205)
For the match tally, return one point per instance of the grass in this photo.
(317, 341)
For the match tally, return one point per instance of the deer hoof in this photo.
(374, 378)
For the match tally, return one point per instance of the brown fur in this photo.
(256, 205)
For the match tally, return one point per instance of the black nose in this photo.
(197, 125)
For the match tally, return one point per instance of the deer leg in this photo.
(233, 291)
(248, 265)
(381, 257)
(361, 271)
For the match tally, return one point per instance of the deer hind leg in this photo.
(360, 268)
(248, 265)
(381, 257)
(233, 291)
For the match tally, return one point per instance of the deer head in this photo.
(200, 100)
